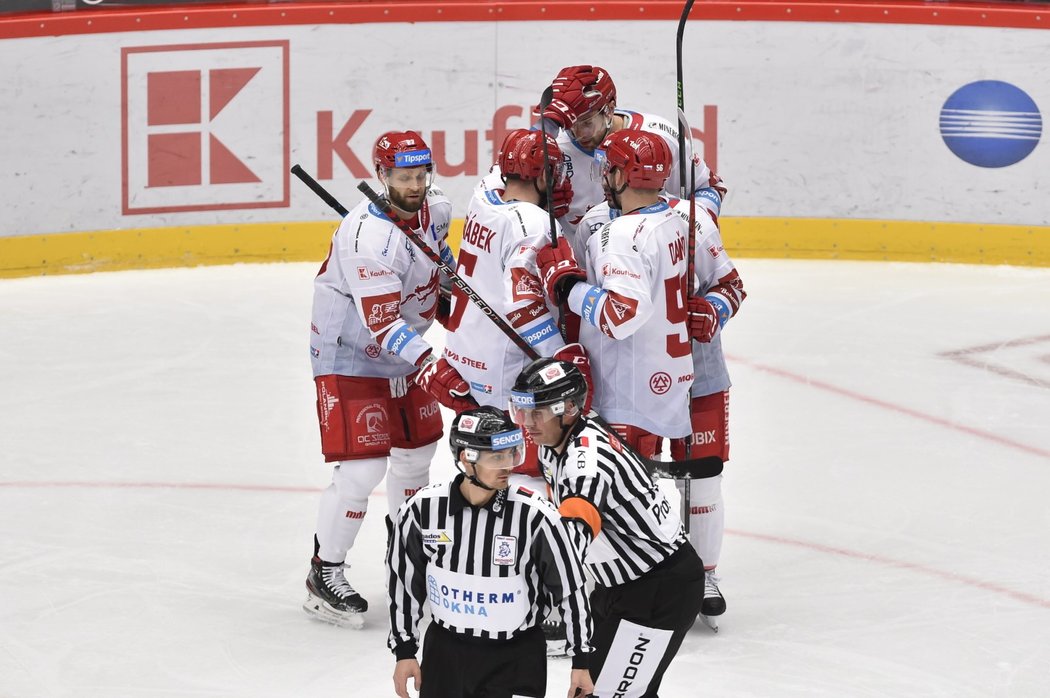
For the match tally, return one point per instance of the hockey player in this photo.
(489, 559)
(631, 298)
(374, 297)
(718, 295)
(649, 578)
(583, 104)
(497, 256)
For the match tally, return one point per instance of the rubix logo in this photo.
(205, 127)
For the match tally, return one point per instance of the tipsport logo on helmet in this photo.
(991, 124)
(412, 158)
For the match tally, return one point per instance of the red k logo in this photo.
(205, 127)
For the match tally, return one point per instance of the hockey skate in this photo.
(330, 598)
(714, 604)
(557, 642)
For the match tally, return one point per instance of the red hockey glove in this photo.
(443, 382)
(559, 270)
(703, 319)
(716, 183)
(575, 355)
(573, 95)
(561, 197)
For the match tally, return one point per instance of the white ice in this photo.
(887, 507)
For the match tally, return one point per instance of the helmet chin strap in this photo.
(478, 483)
(614, 194)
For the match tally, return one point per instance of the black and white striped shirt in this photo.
(488, 572)
(629, 525)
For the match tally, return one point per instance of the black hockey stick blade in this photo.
(685, 469)
(688, 469)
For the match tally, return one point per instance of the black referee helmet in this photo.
(483, 429)
(548, 381)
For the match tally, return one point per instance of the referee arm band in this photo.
(582, 510)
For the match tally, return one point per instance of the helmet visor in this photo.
(523, 409)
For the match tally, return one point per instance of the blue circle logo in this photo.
(989, 123)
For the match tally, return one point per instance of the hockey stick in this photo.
(683, 133)
(699, 468)
(383, 205)
(319, 190)
(548, 172)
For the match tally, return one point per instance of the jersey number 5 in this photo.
(676, 313)
(465, 268)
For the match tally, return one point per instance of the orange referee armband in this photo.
(579, 508)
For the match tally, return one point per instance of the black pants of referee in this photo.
(639, 626)
(454, 666)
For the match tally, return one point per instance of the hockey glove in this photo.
(575, 355)
(561, 197)
(559, 270)
(703, 319)
(442, 381)
(573, 95)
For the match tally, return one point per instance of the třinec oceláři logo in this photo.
(990, 123)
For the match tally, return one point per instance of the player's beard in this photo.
(400, 201)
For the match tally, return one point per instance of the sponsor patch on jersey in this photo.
(660, 382)
(480, 388)
(504, 550)
(525, 285)
(382, 310)
(609, 270)
(436, 537)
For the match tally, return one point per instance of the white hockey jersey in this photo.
(497, 258)
(376, 293)
(633, 320)
(587, 191)
(711, 263)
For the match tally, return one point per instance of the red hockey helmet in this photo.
(521, 155)
(401, 149)
(643, 157)
(586, 88)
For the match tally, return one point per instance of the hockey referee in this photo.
(650, 581)
(490, 562)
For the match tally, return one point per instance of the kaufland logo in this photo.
(205, 127)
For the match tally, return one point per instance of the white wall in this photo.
(813, 120)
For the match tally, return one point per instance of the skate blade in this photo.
(318, 608)
(710, 621)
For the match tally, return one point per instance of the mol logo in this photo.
(205, 127)
(991, 123)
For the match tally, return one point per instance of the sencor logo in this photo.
(990, 123)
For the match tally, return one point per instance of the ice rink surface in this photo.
(887, 498)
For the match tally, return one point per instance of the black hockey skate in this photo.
(330, 597)
(714, 604)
